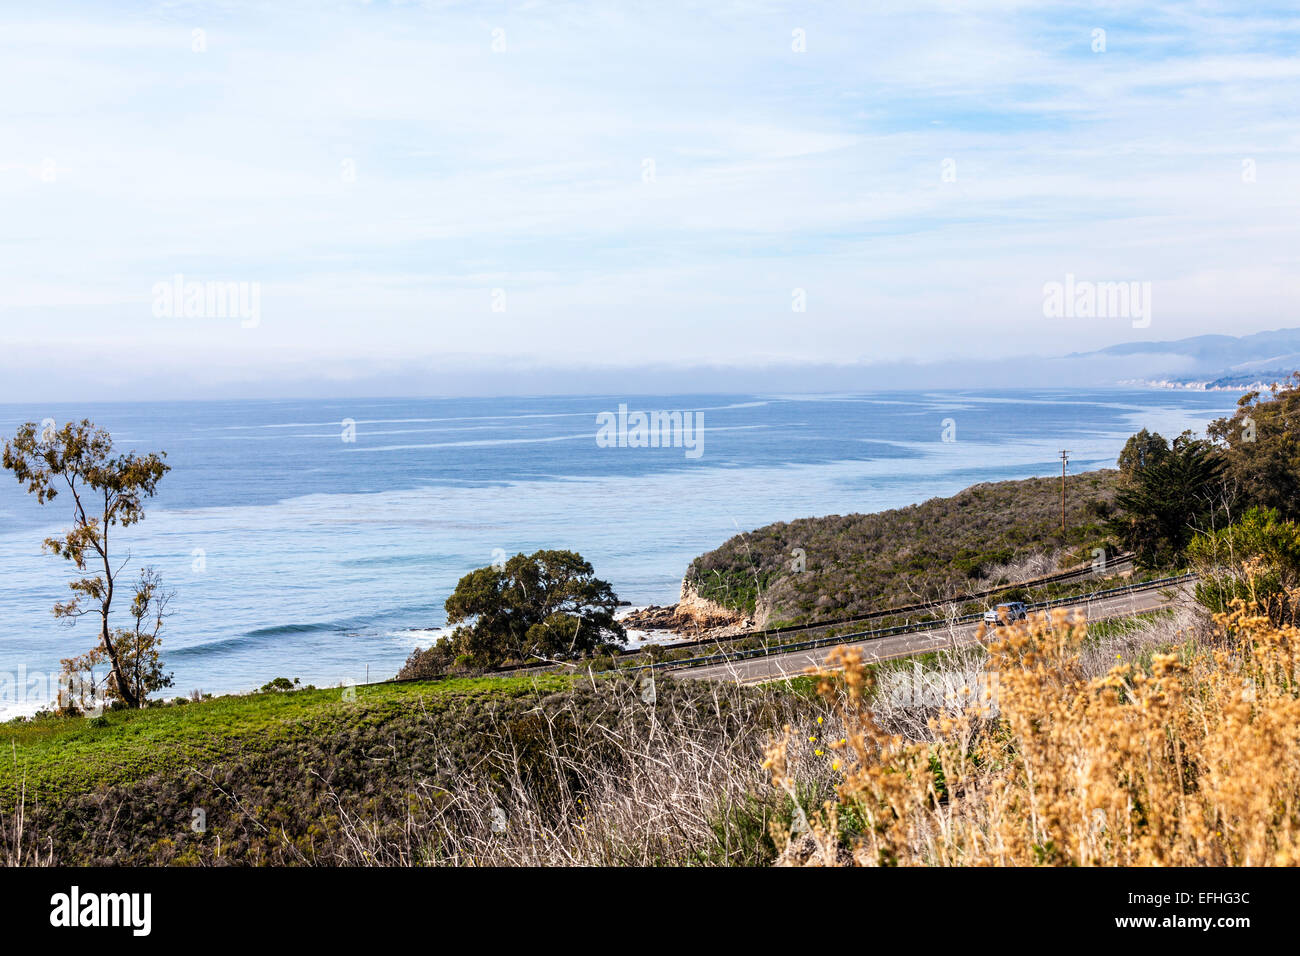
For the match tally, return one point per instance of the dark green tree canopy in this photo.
(1262, 446)
(1140, 451)
(546, 605)
(1171, 492)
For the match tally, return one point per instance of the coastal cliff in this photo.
(693, 615)
(705, 614)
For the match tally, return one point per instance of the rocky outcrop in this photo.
(692, 615)
(703, 612)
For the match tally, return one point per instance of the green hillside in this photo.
(859, 563)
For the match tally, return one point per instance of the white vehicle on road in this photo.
(1005, 613)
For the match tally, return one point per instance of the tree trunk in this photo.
(124, 688)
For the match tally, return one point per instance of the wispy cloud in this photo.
(649, 183)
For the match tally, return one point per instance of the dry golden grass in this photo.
(18, 845)
(676, 781)
(1188, 758)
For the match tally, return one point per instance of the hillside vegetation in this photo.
(608, 771)
(424, 772)
(940, 548)
(1181, 755)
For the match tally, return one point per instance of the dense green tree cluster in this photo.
(1171, 492)
(548, 605)
(1168, 492)
(1261, 444)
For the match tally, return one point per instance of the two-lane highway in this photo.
(929, 638)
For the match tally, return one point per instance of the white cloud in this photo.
(523, 170)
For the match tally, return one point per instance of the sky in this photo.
(445, 198)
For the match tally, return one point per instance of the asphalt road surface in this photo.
(795, 663)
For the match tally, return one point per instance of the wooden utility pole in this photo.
(1065, 457)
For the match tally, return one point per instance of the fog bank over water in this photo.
(224, 377)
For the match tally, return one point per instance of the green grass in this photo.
(64, 756)
(1118, 626)
(805, 685)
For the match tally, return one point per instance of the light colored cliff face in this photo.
(702, 612)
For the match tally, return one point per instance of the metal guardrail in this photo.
(733, 656)
(1058, 577)
(730, 656)
(1082, 571)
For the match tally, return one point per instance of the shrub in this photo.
(278, 685)
(854, 564)
(1256, 560)
(1188, 757)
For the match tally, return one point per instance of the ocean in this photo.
(318, 539)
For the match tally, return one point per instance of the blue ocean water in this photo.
(295, 552)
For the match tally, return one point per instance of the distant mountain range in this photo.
(1207, 361)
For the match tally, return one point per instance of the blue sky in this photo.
(385, 176)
